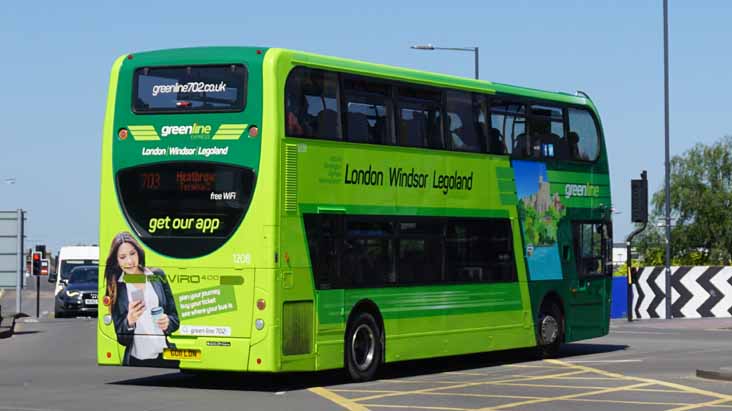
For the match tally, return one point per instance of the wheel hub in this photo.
(363, 347)
(549, 329)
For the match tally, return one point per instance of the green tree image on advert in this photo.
(539, 211)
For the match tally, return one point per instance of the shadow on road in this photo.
(27, 332)
(405, 369)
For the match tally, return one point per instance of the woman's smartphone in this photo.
(137, 295)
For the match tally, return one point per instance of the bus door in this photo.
(589, 290)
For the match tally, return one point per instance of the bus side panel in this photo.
(551, 204)
(456, 319)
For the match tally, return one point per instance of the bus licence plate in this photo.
(175, 354)
(90, 301)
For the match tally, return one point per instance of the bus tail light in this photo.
(259, 324)
(253, 131)
(261, 304)
(123, 133)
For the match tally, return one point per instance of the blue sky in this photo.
(57, 57)
(527, 177)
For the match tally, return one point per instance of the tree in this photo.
(701, 207)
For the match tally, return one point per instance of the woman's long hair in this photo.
(112, 270)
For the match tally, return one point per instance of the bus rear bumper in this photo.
(215, 354)
(200, 353)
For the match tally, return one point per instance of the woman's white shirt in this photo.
(149, 340)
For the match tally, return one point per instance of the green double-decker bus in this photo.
(269, 210)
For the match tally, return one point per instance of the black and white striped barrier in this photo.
(696, 292)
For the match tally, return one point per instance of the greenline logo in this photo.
(193, 130)
(581, 190)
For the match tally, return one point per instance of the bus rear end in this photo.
(185, 223)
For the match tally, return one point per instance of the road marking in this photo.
(680, 387)
(627, 402)
(497, 376)
(569, 396)
(576, 387)
(586, 378)
(589, 400)
(342, 401)
(603, 361)
(365, 391)
(468, 384)
(456, 394)
(421, 407)
(705, 404)
(534, 366)
(572, 371)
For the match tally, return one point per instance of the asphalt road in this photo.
(649, 365)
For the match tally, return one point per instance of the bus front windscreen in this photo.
(183, 89)
(185, 209)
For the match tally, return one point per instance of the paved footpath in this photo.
(28, 299)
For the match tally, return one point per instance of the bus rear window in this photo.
(189, 89)
(185, 209)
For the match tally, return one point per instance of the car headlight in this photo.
(72, 293)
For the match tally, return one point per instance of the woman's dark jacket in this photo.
(125, 335)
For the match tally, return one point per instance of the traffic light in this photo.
(36, 262)
(41, 248)
(639, 199)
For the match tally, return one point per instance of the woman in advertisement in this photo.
(142, 305)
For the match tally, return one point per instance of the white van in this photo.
(70, 257)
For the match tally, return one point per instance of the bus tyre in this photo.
(363, 347)
(549, 330)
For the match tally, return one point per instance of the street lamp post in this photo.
(667, 184)
(471, 49)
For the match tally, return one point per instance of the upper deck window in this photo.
(584, 143)
(310, 104)
(185, 89)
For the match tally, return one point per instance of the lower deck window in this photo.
(351, 251)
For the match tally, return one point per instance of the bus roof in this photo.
(382, 70)
(428, 78)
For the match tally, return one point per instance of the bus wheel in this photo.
(363, 347)
(549, 330)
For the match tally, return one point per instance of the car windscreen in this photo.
(68, 265)
(84, 274)
(185, 209)
(184, 89)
